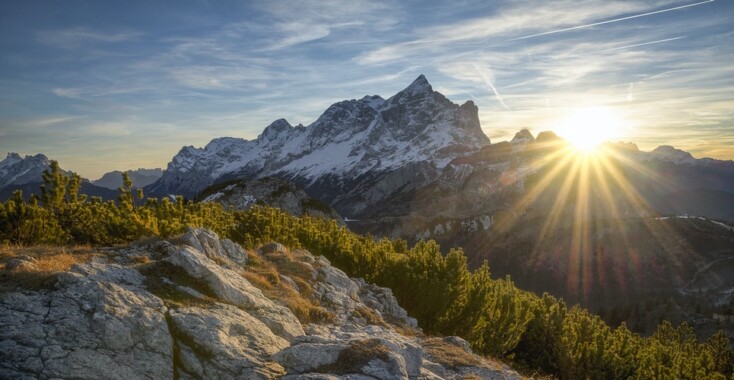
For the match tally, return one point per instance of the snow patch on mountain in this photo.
(350, 139)
(17, 170)
(670, 154)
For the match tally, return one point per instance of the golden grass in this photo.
(306, 311)
(449, 355)
(406, 330)
(369, 316)
(302, 306)
(264, 273)
(49, 261)
(258, 280)
(48, 258)
(304, 287)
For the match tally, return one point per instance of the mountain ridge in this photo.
(353, 143)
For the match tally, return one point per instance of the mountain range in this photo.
(355, 154)
(417, 166)
(26, 174)
(361, 156)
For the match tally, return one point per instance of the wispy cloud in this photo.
(210, 70)
(517, 20)
(636, 45)
(80, 37)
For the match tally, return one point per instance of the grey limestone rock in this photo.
(208, 242)
(88, 328)
(223, 340)
(20, 264)
(231, 287)
(200, 318)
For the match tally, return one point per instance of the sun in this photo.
(585, 128)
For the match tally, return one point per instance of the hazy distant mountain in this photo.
(358, 152)
(26, 174)
(140, 178)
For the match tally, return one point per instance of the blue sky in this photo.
(102, 85)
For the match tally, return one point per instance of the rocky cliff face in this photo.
(357, 152)
(271, 191)
(189, 308)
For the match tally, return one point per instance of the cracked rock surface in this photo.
(189, 312)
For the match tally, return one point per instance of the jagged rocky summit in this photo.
(17, 170)
(26, 174)
(357, 152)
(188, 308)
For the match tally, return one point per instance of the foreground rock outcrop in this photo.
(201, 307)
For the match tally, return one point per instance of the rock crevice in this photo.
(191, 312)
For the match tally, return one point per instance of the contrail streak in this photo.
(611, 21)
(489, 83)
(635, 45)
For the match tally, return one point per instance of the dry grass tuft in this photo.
(303, 286)
(140, 259)
(38, 251)
(357, 355)
(304, 308)
(306, 311)
(369, 316)
(406, 330)
(59, 263)
(48, 262)
(449, 355)
(258, 280)
(264, 273)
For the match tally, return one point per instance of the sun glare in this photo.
(588, 127)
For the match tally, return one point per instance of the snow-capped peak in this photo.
(12, 157)
(350, 139)
(15, 170)
(419, 86)
(374, 101)
(670, 154)
(277, 127)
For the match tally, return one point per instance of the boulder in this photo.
(309, 356)
(231, 287)
(20, 265)
(88, 328)
(224, 341)
(208, 243)
(272, 248)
